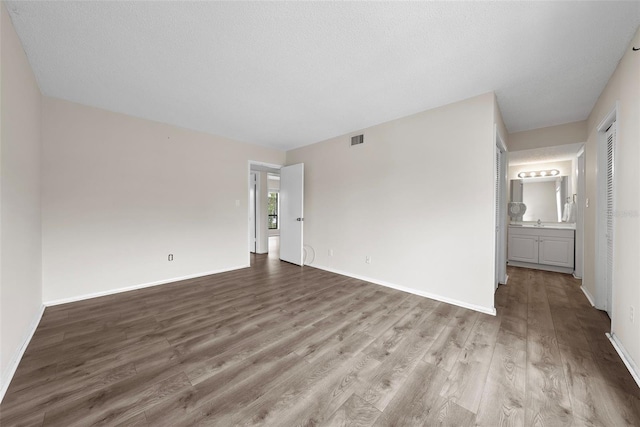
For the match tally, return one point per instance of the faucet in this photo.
(539, 223)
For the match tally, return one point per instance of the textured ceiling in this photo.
(286, 74)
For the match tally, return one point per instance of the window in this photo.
(272, 210)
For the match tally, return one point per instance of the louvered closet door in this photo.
(500, 214)
(611, 142)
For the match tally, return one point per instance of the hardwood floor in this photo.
(279, 345)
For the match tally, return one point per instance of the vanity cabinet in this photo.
(542, 248)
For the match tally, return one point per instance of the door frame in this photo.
(603, 288)
(262, 165)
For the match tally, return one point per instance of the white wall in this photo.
(568, 133)
(121, 193)
(417, 197)
(623, 88)
(20, 241)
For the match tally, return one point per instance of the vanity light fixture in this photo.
(538, 174)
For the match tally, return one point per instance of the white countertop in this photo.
(551, 225)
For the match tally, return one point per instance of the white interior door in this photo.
(292, 213)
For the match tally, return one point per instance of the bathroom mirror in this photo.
(544, 197)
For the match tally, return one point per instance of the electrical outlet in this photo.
(631, 314)
(330, 252)
(170, 257)
(367, 259)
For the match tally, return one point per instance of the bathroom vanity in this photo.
(545, 247)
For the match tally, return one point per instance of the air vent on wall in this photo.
(358, 139)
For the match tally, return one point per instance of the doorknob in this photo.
(299, 219)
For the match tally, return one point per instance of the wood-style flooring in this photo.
(280, 345)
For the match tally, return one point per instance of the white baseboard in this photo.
(481, 309)
(622, 352)
(588, 295)
(10, 371)
(140, 286)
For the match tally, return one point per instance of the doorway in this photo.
(263, 219)
(276, 203)
(557, 200)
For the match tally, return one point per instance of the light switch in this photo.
(237, 203)
(587, 202)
